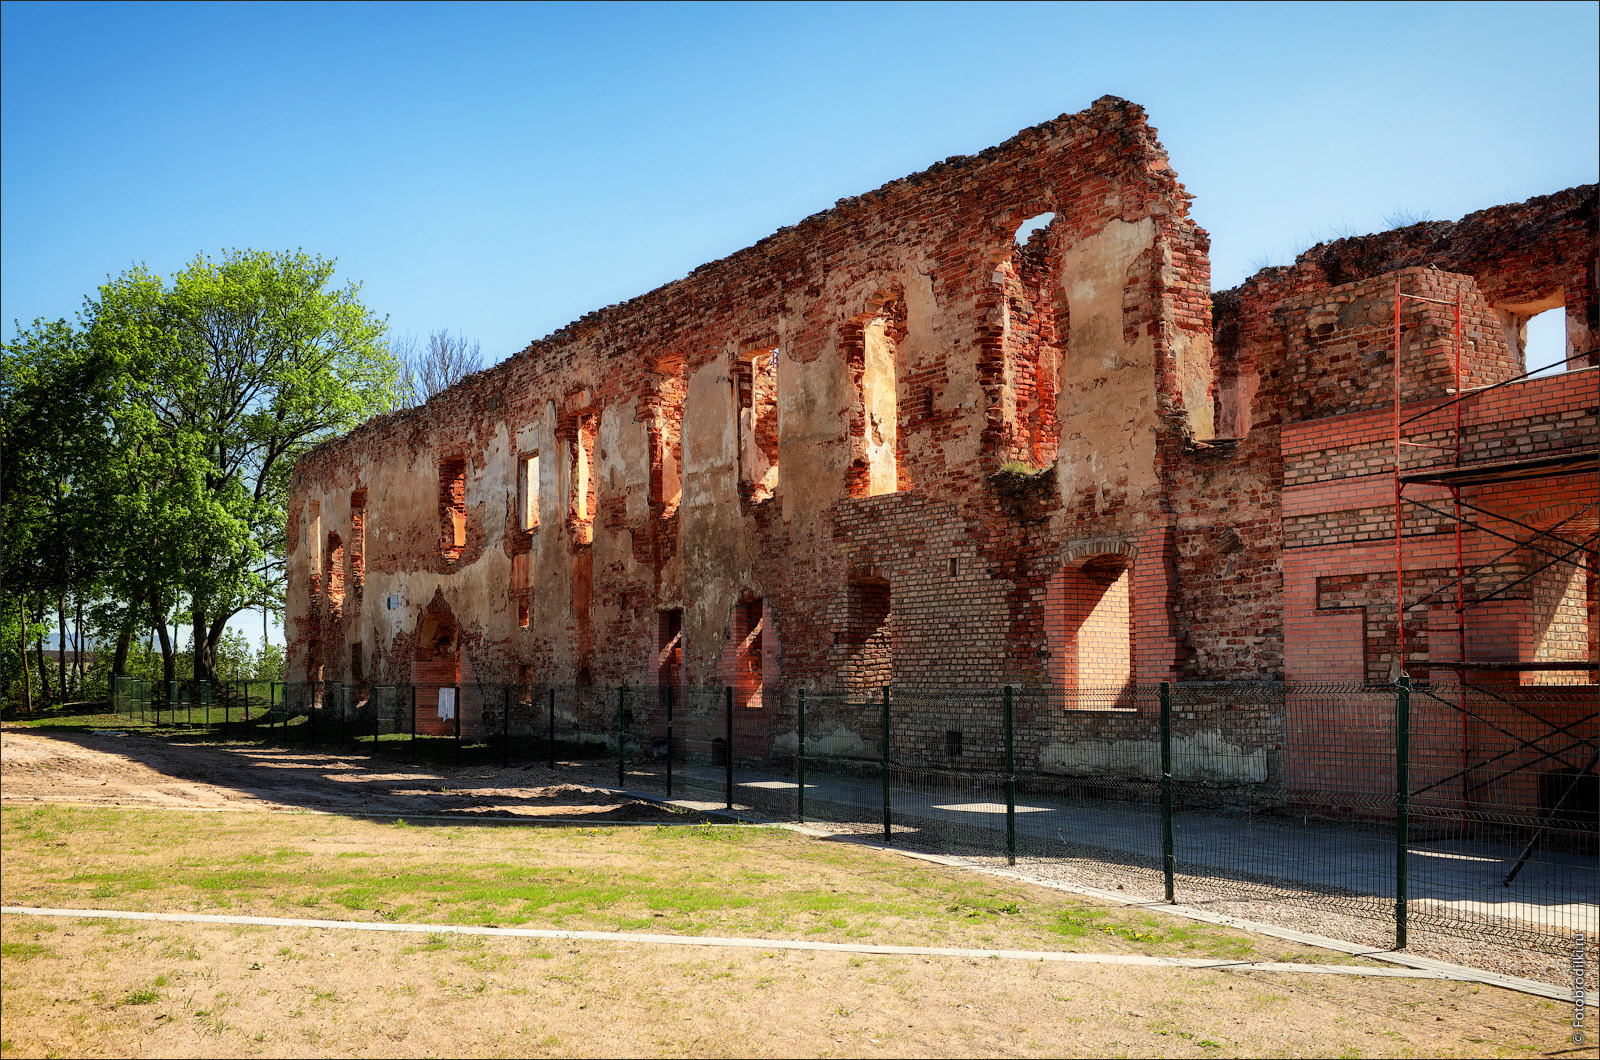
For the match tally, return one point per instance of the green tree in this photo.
(57, 398)
(237, 368)
(145, 451)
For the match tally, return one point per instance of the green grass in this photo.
(75, 717)
(23, 951)
(688, 879)
(97, 714)
(1142, 927)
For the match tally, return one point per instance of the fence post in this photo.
(413, 722)
(800, 760)
(622, 739)
(458, 723)
(1011, 778)
(377, 718)
(1402, 805)
(227, 711)
(883, 766)
(344, 713)
(318, 696)
(552, 727)
(1169, 861)
(727, 758)
(669, 741)
(272, 706)
(505, 730)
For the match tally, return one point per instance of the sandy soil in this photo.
(93, 989)
(141, 771)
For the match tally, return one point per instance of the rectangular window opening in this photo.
(1088, 627)
(952, 743)
(356, 673)
(581, 503)
(452, 506)
(871, 347)
(358, 543)
(669, 647)
(755, 379)
(333, 573)
(1544, 342)
(528, 491)
(748, 676)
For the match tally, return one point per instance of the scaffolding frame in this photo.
(1552, 544)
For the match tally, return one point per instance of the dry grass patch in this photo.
(688, 879)
(127, 989)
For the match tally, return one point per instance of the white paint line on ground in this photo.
(1135, 959)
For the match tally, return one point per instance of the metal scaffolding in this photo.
(1569, 541)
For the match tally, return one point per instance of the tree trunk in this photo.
(205, 661)
(79, 672)
(169, 666)
(22, 645)
(219, 626)
(119, 661)
(61, 598)
(38, 654)
(61, 645)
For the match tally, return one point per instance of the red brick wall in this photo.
(1255, 543)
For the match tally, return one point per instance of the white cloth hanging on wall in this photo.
(447, 704)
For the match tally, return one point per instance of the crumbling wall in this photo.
(897, 429)
(915, 349)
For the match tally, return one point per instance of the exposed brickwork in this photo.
(798, 467)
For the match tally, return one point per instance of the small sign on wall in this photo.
(447, 704)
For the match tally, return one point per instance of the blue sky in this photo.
(502, 169)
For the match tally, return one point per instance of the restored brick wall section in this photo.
(1311, 340)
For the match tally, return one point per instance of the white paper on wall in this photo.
(447, 704)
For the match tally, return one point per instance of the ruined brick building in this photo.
(893, 443)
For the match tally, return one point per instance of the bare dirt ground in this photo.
(141, 771)
(97, 989)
